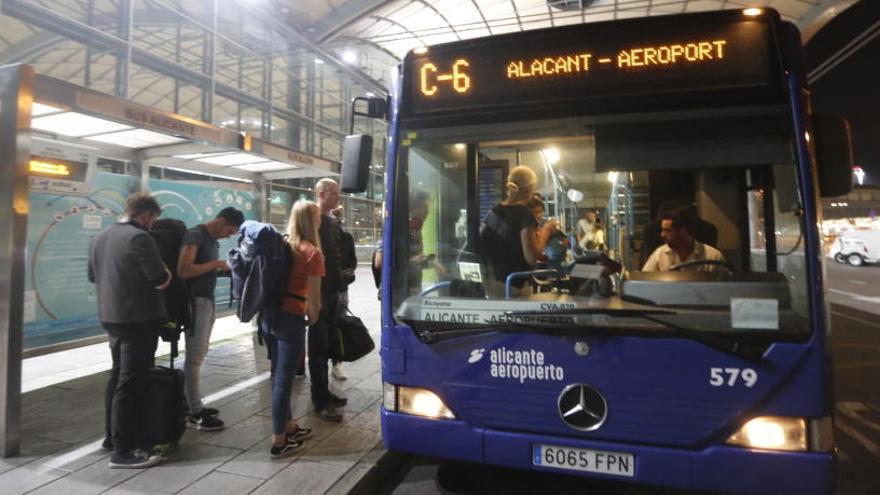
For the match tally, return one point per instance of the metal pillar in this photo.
(16, 101)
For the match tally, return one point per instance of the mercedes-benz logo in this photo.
(582, 407)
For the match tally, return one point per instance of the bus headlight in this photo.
(772, 433)
(415, 401)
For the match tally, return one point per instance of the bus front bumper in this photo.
(721, 468)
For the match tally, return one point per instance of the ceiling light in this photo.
(75, 124)
(233, 159)
(206, 174)
(196, 156)
(612, 177)
(349, 57)
(270, 166)
(319, 61)
(420, 50)
(136, 138)
(551, 155)
(42, 109)
(753, 11)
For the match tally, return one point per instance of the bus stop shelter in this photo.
(52, 133)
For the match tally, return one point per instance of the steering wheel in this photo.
(688, 264)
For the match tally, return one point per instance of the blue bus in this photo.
(707, 370)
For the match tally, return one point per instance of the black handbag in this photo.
(354, 341)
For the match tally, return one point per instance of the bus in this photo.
(710, 375)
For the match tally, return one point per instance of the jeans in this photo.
(132, 347)
(321, 336)
(286, 346)
(196, 350)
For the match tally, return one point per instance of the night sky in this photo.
(852, 89)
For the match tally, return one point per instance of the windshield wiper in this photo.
(734, 345)
(432, 332)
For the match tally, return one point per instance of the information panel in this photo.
(589, 61)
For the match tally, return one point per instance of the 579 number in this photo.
(719, 377)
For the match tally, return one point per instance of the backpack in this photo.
(260, 268)
(168, 234)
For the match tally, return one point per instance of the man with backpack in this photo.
(199, 265)
(128, 273)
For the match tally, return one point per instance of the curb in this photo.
(370, 473)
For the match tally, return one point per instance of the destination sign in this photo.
(592, 61)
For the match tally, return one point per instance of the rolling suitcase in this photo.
(164, 415)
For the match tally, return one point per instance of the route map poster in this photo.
(60, 303)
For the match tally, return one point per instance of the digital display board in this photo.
(646, 57)
(61, 167)
(57, 168)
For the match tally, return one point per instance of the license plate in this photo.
(591, 461)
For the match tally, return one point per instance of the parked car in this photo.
(856, 247)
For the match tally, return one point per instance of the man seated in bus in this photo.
(680, 246)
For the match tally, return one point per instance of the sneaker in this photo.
(290, 446)
(107, 444)
(338, 401)
(338, 372)
(136, 459)
(301, 434)
(204, 422)
(210, 411)
(329, 413)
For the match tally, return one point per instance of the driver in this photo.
(680, 247)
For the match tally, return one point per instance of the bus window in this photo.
(723, 227)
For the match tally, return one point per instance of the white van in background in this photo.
(856, 247)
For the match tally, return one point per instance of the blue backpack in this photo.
(260, 268)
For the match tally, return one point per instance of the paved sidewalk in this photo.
(63, 426)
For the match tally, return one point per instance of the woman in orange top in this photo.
(287, 340)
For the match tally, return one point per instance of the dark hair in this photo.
(141, 202)
(231, 216)
(535, 203)
(417, 198)
(680, 218)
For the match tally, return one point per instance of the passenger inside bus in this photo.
(419, 201)
(681, 250)
(512, 223)
(590, 234)
(536, 204)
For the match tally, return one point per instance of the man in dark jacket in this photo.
(322, 333)
(128, 273)
(348, 264)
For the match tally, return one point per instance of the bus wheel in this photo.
(855, 260)
(840, 258)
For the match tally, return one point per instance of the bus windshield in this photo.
(689, 221)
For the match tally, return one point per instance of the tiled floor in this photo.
(63, 426)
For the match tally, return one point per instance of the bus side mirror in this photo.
(357, 153)
(834, 158)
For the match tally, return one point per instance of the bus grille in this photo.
(642, 419)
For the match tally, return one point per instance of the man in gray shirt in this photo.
(128, 273)
(198, 265)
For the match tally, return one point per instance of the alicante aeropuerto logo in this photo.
(476, 355)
